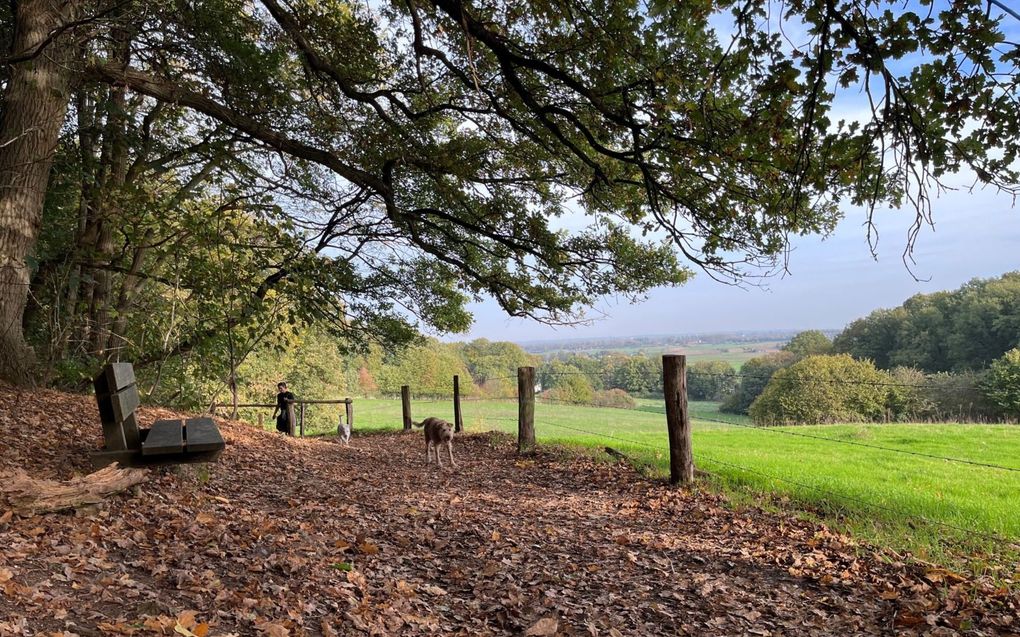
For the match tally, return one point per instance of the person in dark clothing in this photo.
(283, 400)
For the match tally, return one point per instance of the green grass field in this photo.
(898, 500)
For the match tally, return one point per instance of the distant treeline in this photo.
(964, 329)
(940, 356)
(612, 344)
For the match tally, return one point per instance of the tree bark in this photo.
(34, 107)
(113, 170)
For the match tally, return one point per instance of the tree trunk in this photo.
(114, 169)
(34, 107)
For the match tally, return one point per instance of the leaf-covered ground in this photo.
(306, 537)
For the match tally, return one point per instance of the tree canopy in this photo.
(823, 389)
(224, 168)
(963, 329)
(808, 343)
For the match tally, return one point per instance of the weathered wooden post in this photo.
(458, 418)
(678, 421)
(302, 420)
(525, 410)
(349, 408)
(290, 418)
(405, 404)
(260, 414)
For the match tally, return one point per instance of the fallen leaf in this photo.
(187, 619)
(205, 519)
(368, 548)
(274, 630)
(545, 627)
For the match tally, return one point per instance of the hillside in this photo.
(306, 537)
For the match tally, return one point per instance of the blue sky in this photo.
(831, 281)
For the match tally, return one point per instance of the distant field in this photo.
(882, 495)
(734, 353)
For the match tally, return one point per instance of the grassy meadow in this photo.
(900, 500)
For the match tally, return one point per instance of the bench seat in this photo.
(177, 441)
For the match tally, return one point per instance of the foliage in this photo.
(711, 380)
(1001, 384)
(910, 398)
(940, 397)
(427, 368)
(809, 343)
(639, 374)
(872, 338)
(754, 376)
(965, 329)
(381, 166)
(493, 365)
(823, 389)
(568, 384)
(615, 398)
(366, 382)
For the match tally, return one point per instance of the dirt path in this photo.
(295, 537)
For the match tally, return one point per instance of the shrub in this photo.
(571, 389)
(958, 397)
(941, 397)
(909, 398)
(1001, 385)
(614, 398)
(754, 376)
(823, 389)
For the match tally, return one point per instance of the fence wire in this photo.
(834, 495)
(787, 432)
(867, 503)
(611, 378)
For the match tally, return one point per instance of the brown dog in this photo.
(437, 432)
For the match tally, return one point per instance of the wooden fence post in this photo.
(302, 420)
(261, 426)
(405, 404)
(458, 419)
(678, 421)
(525, 410)
(290, 419)
(349, 408)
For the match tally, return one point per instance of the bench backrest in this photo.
(117, 398)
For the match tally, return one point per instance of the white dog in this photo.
(343, 430)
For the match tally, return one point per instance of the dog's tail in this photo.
(418, 424)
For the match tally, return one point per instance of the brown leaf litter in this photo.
(289, 537)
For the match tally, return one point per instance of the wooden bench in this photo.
(167, 442)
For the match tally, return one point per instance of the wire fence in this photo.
(762, 466)
(920, 486)
(830, 496)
